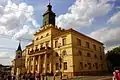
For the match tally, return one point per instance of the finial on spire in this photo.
(49, 2)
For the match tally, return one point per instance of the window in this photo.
(101, 66)
(18, 56)
(100, 49)
(36, 67)
(94, 46)
(80, 53)
(96, 65)
(78, 41)
(41, 45)
(56, 54)
(89, 65)
(57, 66)
(37, 38)
(56, 44)
(65, 65)
(41, 37)
(31, 67)
(64, 52)
(81, 65)
(47, 44)
(100, 57)
(85, 65)
(95, 56)
(64, 41)
(87, 45)
(88, 55)
(47, 34)
(48, 67)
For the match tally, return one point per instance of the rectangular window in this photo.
(96, 65)
(89, 65)
(56, 44)
(64, 41)
(78, 42)
(48, 67)
(57, 66)
(100, 49)
(94, 46)
(31, 67)
(47, 44)
(41, 45)
(87, 44)
(65, 65)
(36, 67)
(102, 66)
(81, 65)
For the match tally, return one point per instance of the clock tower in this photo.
(49, 16)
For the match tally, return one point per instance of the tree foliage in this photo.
(113, 58)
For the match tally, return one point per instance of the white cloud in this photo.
(109, 36)
(115, 19)
(14, 18)
(83, 12)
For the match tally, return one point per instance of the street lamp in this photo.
(60, 59)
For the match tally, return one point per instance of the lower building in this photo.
(18, 64)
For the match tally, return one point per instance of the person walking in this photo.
(116, 75)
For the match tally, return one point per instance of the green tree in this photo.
(113, 58)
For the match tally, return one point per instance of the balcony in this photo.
(43, 49)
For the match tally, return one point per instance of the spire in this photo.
(19, 47)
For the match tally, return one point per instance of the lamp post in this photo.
(60, 66)
(60, 59)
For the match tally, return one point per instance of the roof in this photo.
(19, 47)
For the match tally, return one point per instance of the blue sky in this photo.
(99, 19)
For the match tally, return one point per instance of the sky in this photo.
(19, 19)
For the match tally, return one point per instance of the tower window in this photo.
(18, 56)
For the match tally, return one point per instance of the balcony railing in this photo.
(39, 50)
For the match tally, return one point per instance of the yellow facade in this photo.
(80, 54)
(56, 50)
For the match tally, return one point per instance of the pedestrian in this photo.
(115, 75)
